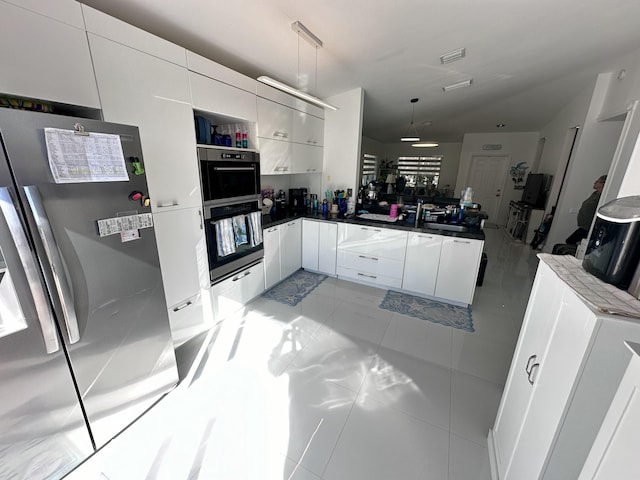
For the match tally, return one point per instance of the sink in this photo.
(446, 226)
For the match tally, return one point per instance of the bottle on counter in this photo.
(238, 137)
(245, 137)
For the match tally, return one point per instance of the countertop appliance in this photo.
(85, 342)
(298, 201)
(613, 250)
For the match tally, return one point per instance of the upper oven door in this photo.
(229, 175)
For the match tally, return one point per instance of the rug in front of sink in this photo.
(293, 290)
(431, 310)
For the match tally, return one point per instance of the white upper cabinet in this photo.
(211, 69)
(275, 121)
(109, 27)
(143, 90)
(307, 129)
(46, 57)
(306, 158)
(217, 97)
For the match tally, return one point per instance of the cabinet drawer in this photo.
(187, 319)
(370, 278)
(372, 264)
(233, 293)
(374, 241)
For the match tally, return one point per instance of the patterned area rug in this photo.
(424, 309)
(293, 290)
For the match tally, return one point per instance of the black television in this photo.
(535, 189)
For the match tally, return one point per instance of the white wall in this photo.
(595, 146)
(342, 141)
(519, 147)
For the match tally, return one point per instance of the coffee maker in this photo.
(298, 201)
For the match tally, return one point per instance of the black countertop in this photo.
(475, 233)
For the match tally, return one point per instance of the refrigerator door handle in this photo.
(43, 310)
(55, 262)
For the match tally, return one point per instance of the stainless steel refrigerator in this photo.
(85, 342)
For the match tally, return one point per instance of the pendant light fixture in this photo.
(412, 131)
(305, 33)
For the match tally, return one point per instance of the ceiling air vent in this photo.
(452, 56)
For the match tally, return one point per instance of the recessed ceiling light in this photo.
(466, 83)
(501, 125)
(452, 56)
(425, 145)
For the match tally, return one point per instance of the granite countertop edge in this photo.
(475, 234)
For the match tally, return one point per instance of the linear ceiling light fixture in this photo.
(295, 92)
(425, 145)
(466, 83)
(305, 33)
(453, 56)
(412, 131)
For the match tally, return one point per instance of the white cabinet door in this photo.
(290, 247)
(614, 453)
(275, 121)
(217, 97)
(233, 293)
(537, 326)
(275, 157)
(183, 253)
(306, 158)
(559, 368)
(421, 263)
(327, 248)
(458, 269)
(310, 244)
(307, 129)
(271, 243)
(46, 58)
(143, 90)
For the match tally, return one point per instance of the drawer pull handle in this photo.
(461, 241)
(184, 305)
(167, 205)
(368, 276)
(240, 277)
(425, 236)
(274, 229)
(368, 258)
(374, 229)
(534, 367)
(528, 367)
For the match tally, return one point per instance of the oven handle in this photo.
(234, 169)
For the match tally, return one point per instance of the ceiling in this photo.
(527, 58)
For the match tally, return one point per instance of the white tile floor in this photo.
(336, 389)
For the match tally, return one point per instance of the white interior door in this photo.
(487, 176)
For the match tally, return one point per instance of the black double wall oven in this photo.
(232, 210)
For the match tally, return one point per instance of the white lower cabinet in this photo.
(282, 251)
(566, 368)
(458, 269)
(185, 272)
(231, 294)
(615, 451)
(271, 242)
(421, 263)
(290, 247)
(371, 255)
(319, 246)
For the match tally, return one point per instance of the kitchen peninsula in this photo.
(434, 261)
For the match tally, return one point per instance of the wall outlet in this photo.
(349, 192)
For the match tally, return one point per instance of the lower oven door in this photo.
(234, 237)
